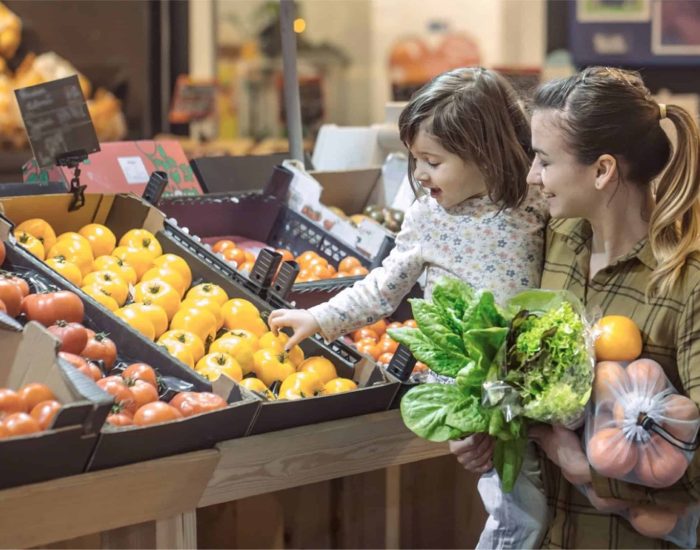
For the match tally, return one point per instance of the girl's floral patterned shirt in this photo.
(498, 251)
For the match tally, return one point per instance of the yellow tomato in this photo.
(159, 293)
(256, 385)
(320, 366)
(242, 314)
(116, 265)
(39, 229)
(102, 240)
(189, 339)
(170, 276)
(214, 365)
(178, 264)
(338, 385)
(138, 322)
(155, 313)
(179, 351)
(271, 340)
(207, 303)
(208, 290)
(74, 252)
(270, 366)
(30, 244)
(101, 297)
(237, 348)
(67, 269)
(142, 239)
(296, 356)
(76, 238)
(246, 335)
(300, 385)
(138, 258)
(198, 320)
(111, 282)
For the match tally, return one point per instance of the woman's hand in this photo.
(474, 452)
(299, 320)
(563, 447)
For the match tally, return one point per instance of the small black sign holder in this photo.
(72, 161)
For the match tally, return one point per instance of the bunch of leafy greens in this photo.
(548, 360)
(459, 334)
(536, 346)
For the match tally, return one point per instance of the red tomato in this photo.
(115, 386)
(122, 418)
(87, 368)
(190, 403)
(3, 431)
(21, 424)
(53, 306)
(141, 371)
(156, 413)
(45, 412)
(143, 393)
(10, 402)
(73, 336)
(19, 282)
(35, 393)
(11, 296)
(101, 348)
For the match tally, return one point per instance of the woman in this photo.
(625, 244)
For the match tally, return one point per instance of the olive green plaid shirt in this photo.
(670, 327)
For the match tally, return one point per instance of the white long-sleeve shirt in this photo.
(501, 252)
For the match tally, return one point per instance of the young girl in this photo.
(626, 244)
(469, 153)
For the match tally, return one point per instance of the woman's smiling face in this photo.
(568, 185)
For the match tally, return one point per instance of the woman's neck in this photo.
(620, 224)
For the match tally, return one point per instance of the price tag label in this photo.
(57, 120)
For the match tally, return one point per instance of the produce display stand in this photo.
(153, 503)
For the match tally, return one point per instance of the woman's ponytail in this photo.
(674, 231)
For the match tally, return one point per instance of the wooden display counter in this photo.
(336, 484)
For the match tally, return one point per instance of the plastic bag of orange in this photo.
(639, 428)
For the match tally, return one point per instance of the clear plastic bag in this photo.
(547, 362)
(639, 429)
(678, 525)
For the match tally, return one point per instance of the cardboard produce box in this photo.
(116, 447)
(29, 354)
(123, 212)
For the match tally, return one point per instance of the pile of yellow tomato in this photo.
(150, 291)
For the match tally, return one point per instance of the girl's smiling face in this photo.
(568, 185)
(449, 179)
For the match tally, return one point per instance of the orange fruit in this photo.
(349, 263)
(233, 254)
(379, 327)
(305, 258)
(222, 245)
(617, 338)
(359, 270)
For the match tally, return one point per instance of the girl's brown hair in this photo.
(610, 111)
(475, 114)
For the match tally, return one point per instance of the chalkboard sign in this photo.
(57, 120)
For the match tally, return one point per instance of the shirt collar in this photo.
(577, 233)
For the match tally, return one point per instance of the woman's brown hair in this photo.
(475, 114)
(610, 111)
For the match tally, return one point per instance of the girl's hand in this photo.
(474, 452)
(563, 447)
(301, 321)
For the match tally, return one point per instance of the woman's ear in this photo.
(606, 171)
